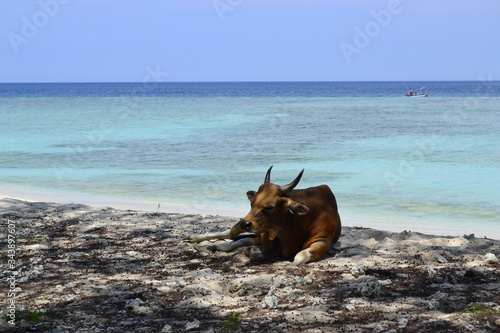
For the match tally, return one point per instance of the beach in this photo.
(80, 268)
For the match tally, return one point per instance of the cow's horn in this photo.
(268, 176)
(291, 186)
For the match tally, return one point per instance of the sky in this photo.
(248, 40)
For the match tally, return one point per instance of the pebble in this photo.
(358, 270)
(310, 277)
(402, 322)
(431, 273)
(370, 289)
(58, 289)
(350, 307)
(270, 302)
(433, 303)
(133, 303)
(386, 282)
(474, 271)
(441, 259)
(166, 329)
(72, 298)
(193, 324)
(490, 258)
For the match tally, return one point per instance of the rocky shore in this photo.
(78, 268)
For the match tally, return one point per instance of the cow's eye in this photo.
(267, 209)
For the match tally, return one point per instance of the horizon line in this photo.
(265, 81)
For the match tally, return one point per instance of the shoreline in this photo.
(61, 197)
(80, 268)
(389, 224)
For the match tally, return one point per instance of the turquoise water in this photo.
(425, 164)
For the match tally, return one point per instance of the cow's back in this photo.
(318, 199)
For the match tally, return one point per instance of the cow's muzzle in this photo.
(245, 225)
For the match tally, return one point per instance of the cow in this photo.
(299, 224)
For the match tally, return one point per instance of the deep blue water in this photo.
(250, 89)
(429, 164)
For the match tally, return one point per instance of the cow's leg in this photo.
(228, 247)
(209, 236)
(315, 251)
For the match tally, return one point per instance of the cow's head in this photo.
(269, 208)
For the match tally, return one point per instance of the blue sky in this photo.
(248, 40)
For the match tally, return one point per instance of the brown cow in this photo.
(299, 224)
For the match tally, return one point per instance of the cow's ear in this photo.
(297, 208)
(251, 195)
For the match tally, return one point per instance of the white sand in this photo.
(91, 268)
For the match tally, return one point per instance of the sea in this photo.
(426, 164)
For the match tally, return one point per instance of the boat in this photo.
(416, 93)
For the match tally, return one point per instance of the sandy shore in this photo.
(81, 268)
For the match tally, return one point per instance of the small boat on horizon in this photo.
(416, 93)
